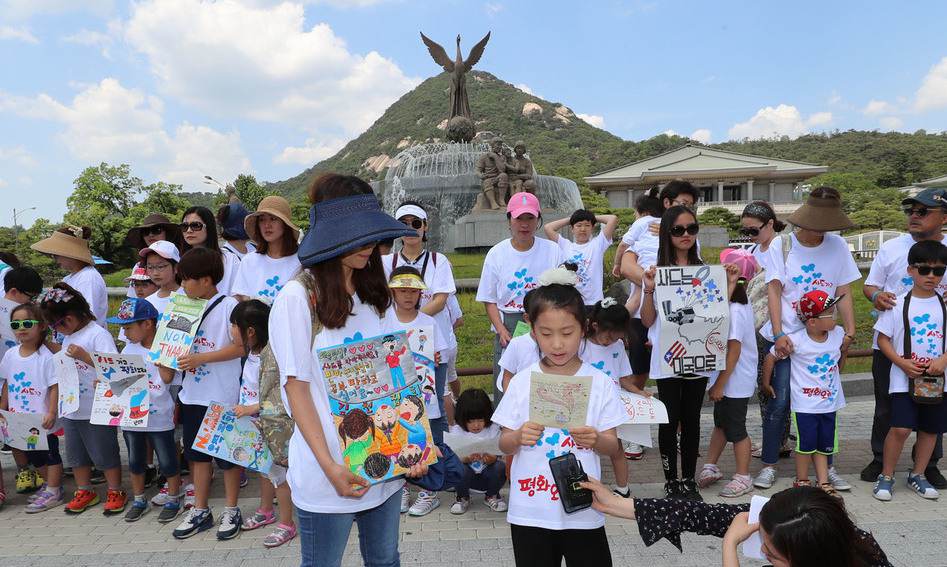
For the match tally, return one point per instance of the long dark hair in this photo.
(666, 252)
(333, 302)
(809, 527)
(210, 226)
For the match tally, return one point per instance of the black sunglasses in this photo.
(750, 231)
(926, 270)
(152, 230)
(911, 211)
(416, 224)
(679, 230)
(195, 226)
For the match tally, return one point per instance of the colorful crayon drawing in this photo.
(127, 407)
(176, 329)
(23, 431)
(422, 348)
(68, 376)
(383, 427)
(236, 440)
(559, 401)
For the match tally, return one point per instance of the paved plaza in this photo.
(909, 529)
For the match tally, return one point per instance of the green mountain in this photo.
(560, 143)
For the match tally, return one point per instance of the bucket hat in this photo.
(232, 227)
(338, 226)
(823, 213)
(272, 205)
(67, 245)
(136, 238)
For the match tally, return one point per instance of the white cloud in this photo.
(701, 135)
(26, 9)
(261, 63)
(313, 151)
(834, 98)
(17, 34)
(932, 93)
(526, 89)
(593, 119)
(782, 120)
(17, 155)
(493, 8)
(878, 107)
(101, 40)
(890, 122)
(197, 151)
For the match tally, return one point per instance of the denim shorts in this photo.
(88, 444)
(164, 446)
(191, 418)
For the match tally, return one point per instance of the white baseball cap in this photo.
(162, 248)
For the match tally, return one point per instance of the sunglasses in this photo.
(679, 230)
(195, 226)
(152, 230)
(23, 324)
(416, 224)
(751, 232)
(910, 211)
(926, 270)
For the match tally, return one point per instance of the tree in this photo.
(101, 200)
(719, 216)
(249, 191)
(878, 215)
(857, 189)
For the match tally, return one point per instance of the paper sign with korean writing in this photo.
(125, 407)
(559, 401)
(68, 376)
(694, 308)
(176, 329)
(119, 370)
(421, 341)
(234, 439)
(377, 405)
(23, 431)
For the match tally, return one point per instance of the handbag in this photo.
(924, 389)
(756, 288)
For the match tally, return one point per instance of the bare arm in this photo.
(631, 269)
(884, 300)
(610, 223)
(436, 305)
(734, 348)
(648, 313)
(847, 308)
(552, 229)
(493, 313)
(619, 254)
(768, 364)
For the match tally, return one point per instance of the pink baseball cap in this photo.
(162, 248)
(521, 204)
(743, 259)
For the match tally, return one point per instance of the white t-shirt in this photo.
(231, 267)
(92, 338)
(453, 308)
(161, 404)
(825, 267)
(27, 380)
(742, 382)
(228, 247)
(889, 270)
(160, 303)
(250, 381)
(639, 239)
(290, 329)
(521, 353)
(533, 500)
(654, 335)
(611, 359)
(311, 490)
(508, 273)
(927, 333)
(217, 381)
(589, 257)
(7, 338)
(814, 384)
(261, 277)
(88, 281)
(438, 278)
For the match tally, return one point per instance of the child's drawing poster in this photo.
(23, 431)
(236, 440)
(127, 407)
(421, 341)
(694, 308)
(377, 405)
(176, 329)
(643, 412)
(119, 370)
(559, 401)
(68, 376)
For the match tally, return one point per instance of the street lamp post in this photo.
(211, 181)
(16, 227)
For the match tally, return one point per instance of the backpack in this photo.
(276, 425)
(756, 288)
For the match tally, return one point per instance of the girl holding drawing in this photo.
(483, 471)
(543, 534)
(31, 386)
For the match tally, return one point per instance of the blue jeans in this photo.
(439, 425)
(322, 537)
(490, 480)
(164, 446)
(776, 411)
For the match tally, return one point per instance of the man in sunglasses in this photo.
(20, 286)
(887, 279)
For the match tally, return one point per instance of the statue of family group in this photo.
(503, 174)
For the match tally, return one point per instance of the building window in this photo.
(732, 193)
(707, 194)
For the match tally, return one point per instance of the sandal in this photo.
(804, 482)
(279, 536)
(830, 490)
(259, 519)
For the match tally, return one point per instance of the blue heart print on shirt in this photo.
(519, 284)
(907, 281)
(17, 386)
(808, 275)
(354, 338)
(9, 344)
(822, 369)
(272, 287)
(923, 332)
(601, 366)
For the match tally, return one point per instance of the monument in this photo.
(465, 184)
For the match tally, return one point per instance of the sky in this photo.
(180, 89)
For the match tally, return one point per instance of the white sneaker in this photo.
(460, 506)
(496, 504)
(838, 483)
(426, 503)
(189, 497)
(633, 451)
(766, 478)
(162, 497)
(405, 500)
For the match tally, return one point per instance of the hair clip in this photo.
(609, 302)
(55, 295)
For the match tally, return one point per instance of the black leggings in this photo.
(682, 397)
(541, 547)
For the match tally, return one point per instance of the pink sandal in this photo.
(280, 535)
(259, 519)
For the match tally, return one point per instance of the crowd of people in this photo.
(274, 293)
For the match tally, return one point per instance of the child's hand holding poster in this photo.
(23, 431)
(421, 341)
(234, 439)
(377, 406)
(559, 401)
(68, 376)
(176, 329)
(694, 308)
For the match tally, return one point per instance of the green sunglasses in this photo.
(23, 324)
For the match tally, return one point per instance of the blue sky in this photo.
(180, 89)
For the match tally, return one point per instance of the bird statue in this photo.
(459, 105)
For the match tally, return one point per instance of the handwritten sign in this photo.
(176, 329)
(23, 431)
(119, 370)
(559, 401)
(128, 407)
(421, 341)
(377, 405)
(68, 376)
(236, 440)
(694, 308)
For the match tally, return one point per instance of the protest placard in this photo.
(68, 376)
(128, 407)
(559, 401)
(23, 431)
(234, 439)
(421, 341)
(176, 329)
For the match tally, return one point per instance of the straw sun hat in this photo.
(67, 245)
(272, 205)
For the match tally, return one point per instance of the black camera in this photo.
(567, 472)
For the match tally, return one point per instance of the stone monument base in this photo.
(480, 230)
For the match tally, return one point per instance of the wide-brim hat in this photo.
(272, 205)
(65, 245)
(136, 239)
(338, 226)
(821, 214)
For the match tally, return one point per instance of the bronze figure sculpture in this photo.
(519, 169)
(492, 168)
(459, 105)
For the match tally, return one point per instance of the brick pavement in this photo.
(910, 529)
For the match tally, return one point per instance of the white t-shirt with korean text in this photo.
(589, 258)
(92, 338)
(814, 384)
(262, 277)
(926, 322)
(508, 273)
(216, 381)
(27, 379)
